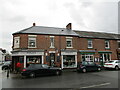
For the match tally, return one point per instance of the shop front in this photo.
(87, 55)
(105, 56)
(69, 58)
(27, 57)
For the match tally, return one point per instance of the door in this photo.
(52, 59)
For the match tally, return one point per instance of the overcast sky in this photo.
(85, 15)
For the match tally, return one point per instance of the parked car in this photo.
(6, 65)
(112, 64)
(88, 66)
(1, 62)
(40, 69)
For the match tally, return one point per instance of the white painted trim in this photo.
(69, 47)
(68, 53)
(69, 37)
(61, 61)
(27, 53)
(51, 51)
(24, 61)
(32, 35)
(42, 59)
(52, 36)
(76, 60)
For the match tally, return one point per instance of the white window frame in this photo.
(108, 44)
(69, 39)
(103, 56)
(16, 42)
(118, 44)
(32, 37)
(88, 55)
(90, 42)
(52, 43)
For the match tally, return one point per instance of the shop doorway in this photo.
(52, 59)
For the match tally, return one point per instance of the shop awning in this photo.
(104, 51)
(87, 51)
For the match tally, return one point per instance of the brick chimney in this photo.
(34, 24)
(69, 26)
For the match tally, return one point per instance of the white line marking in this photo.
(96, 85)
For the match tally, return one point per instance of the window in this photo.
(32, 41)
(16, 42)
(118, 44)
(52, 42)
(107, 46)
(105, 57)
(90, 45)
(68, 42)
(69, 61)
(87, 57)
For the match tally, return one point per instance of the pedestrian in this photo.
(18, 65)
(8, 73)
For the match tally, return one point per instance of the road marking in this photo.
(96, 85)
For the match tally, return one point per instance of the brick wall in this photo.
(43, 42)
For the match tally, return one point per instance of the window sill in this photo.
(69, 47)
(52, 47)
(32, 47)
(90, 47)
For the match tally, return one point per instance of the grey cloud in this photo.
(96, 16)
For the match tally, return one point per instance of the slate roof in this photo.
(66, 32)
(47, 30)
(89, 34)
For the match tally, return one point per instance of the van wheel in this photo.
(116, 68)
(84, 70)
(57, 73)
(32, 75)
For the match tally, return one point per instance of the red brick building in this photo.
(62, 47)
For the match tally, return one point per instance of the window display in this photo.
(33, 59)
(69, 61)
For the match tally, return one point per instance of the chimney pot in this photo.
(34, 24)
(69, 26)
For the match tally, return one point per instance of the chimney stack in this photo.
(34, 24)
(69, 26)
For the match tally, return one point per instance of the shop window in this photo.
(68, 42)
(88, 57)
(107, 44)
(69, 61)
(34, 60)
(32, 41)
(105, 57)
(16, 42)
(52, 42)
(90, 44)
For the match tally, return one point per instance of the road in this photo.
(69, 79)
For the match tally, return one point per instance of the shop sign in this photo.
(68, 53)
(27, 53)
